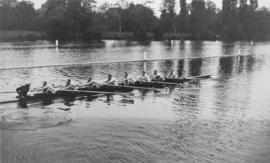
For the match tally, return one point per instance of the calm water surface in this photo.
(222, 119)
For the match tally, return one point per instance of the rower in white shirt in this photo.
(90, 83)
(156, 77)
(109, 80)
(126, 80)
(172, 74)
(143, 77)
(45, 88)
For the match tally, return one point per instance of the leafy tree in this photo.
(54, 12)
(8, 18)
(198, 18)
(140, 20)
(230, 19)
(183, 6)
(114, 19)
(254, 4)
(104, 7)
(168, 15)
(247, 17)
(69, 18)
(80, 19)
(19, 17)
(89, 5)
(183, 16)
(262, 22)
(213, 20)
(243, 3)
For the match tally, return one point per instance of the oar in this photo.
(176, 83)
(166, 83)
(8, 101)
(96, 92)
(7, 92)
(198, 77)
(132, 87)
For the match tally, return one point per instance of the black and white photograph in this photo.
(135, 81)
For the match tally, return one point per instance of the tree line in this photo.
(82, 19)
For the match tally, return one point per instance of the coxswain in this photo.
(156, 77)
(171, 75)
(109, 80)
(125, 81)
(23, 91)
(143, 77)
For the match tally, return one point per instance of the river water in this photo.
(222, 119)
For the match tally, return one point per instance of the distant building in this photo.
(11, 3)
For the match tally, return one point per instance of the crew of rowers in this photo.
(125, 81)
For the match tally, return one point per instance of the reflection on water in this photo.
(222, 119)
(226, 66)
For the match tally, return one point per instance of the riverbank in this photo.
(21, 35)
(24, 35)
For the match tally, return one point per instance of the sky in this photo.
(156, 4)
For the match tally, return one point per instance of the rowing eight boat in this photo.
(110, 89)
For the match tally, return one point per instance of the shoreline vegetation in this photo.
(69, 20)
(22, 35)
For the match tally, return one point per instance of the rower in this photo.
(68, 85)
(171, 74)
(109, 80)
(44, 88)
(125, 81)
(156, 76)
(91, 83)
(23, 91)
(143, 77)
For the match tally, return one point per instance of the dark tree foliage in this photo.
(114, 19)
(168, 15)
(240, 22)
(19, 17)
(139, 19)
(26, 13)
(230, 19)
(81, 19)
(68, 19)
(8, 18)
(198, 18)
(183, 6)
(89, 5)
(243, 3)
(135, 18)
(213, 21)
(254, 4)
(182, 16)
